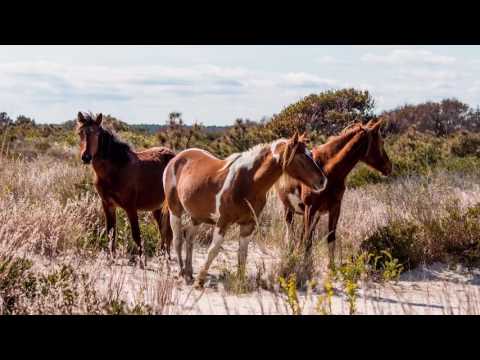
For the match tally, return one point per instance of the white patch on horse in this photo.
(273, 148)
(235, 163)
(295, 201)
(164, 176)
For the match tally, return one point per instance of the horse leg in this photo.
(289, 222)
(190, 235)
(165, 230)
(218, 238)
(245, 237)
(307, 224)
(314, 218)
(333, 217)
(111, 220)
(133, 218)
(176, 223)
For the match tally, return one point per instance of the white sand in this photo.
(432, 290)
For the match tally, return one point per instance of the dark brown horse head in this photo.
(89, 130)
(299, 163)
(376, 156)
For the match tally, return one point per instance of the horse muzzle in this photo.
(323, 185)
(86, 158)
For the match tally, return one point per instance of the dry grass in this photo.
(53, 259)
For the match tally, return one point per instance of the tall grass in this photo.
(52, 243)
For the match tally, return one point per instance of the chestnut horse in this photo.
(338, 157)
(125, 179)
(230, 191)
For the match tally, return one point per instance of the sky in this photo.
(215, 85)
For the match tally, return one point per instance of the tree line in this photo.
(321, 115)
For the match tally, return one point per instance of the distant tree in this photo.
(115, 123)
(178, 136)
(440, 118)
(23, 120)
(241, 137)
(69, 124)
(472, 121)
(5, 119)
(327, 112)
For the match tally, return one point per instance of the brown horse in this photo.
(338, 156)
(225, 192)
(125, 178)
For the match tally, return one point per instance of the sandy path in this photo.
(432, 290)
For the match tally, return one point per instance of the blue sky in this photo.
(217, 84)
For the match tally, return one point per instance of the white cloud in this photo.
(327, 60)
(408, 56)
(47, 85)
(58, 82)
(221, 87)
(304, 80)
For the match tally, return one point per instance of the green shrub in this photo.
(399, 239)
(289, 287)
(295, 262)
(363, 175)
(466, 144)
(452, 237)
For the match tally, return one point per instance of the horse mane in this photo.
(112, 148)
(235, 156)
(346, 130)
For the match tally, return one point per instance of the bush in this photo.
(399, 240)
(466, 144)
(454, 237)
(363, 175)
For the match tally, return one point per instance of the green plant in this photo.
(120, 307)
(350, 273)
(399, 240)
(295, 261)
(237, 282)
(324, 302)
(289, 287)
(391, 268)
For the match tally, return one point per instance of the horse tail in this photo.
(165, 228)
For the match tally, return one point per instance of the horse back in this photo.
(192, 180)
(147, 171)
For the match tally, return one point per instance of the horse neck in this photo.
(349, 153)
(265, 174)
(104, 167)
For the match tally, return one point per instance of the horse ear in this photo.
(99, 119)
(295, 138)
(303, 138)
(376, 126)
(80, 117)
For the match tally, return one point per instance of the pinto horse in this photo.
(230, 191)
(125, 178)
(338, 157)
